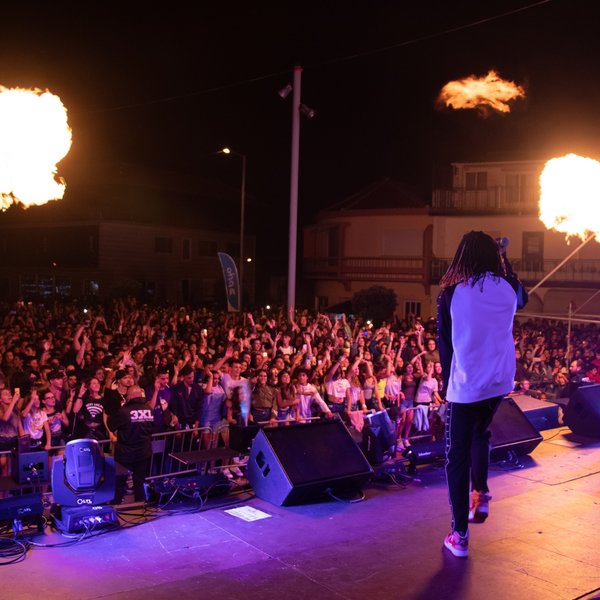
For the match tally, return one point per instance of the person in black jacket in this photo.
(187, 399)
(133, 424)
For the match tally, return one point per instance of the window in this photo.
(44, 286)
(533, 250)
(333, 242)
(476, 180)
(63, 287)
(518, 187)
(412, 307)
(91, 287)
(150, 289)
(28, 286)
(185, 290)
(163, 245)
(207, 248)
(185, 249)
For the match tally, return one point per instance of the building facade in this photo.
(382, 236)
(104, 258)
(155, 239)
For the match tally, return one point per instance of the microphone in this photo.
(502, 244)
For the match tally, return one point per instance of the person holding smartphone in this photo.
(476, 307)
(10, 427)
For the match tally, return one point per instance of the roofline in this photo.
(499, 162)
(373, 212)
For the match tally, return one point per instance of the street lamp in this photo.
(242, 209)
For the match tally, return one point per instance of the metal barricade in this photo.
(170, 442)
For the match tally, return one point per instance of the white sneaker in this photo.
(236, 471)
(480, 507)
(457, 544)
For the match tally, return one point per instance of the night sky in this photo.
(167, 86)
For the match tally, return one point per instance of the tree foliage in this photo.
(376, 303)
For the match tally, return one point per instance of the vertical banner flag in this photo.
(232, 284)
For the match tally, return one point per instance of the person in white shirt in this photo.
(234, 379)
(336, 385)
(476, 308)
(308, 397)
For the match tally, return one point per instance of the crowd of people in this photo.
(67, 371)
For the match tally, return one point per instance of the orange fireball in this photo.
(483, 93)
(34, 137)
(570, 196)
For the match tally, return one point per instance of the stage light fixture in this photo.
(286, 91)
(83, 479)
(307, 111)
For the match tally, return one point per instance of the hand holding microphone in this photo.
(502, 244)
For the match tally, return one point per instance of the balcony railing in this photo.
(401, 268)
(405, 269)
(579, 272)
(499, 199)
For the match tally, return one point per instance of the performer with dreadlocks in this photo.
(476, 307)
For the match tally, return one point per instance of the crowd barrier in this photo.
(163, 446)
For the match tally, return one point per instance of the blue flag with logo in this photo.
(232, 284)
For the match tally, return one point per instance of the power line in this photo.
(432, 35)
(329, 62)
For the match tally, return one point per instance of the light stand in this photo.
(83, 481)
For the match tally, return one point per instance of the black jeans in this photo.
(467, 454)
(139, 471)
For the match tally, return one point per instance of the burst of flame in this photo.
(482, 93)
(34, 137)
(570, 196)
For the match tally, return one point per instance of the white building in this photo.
(387, 235)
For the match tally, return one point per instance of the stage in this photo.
(540, 542)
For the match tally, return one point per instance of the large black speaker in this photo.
(582, 413)
(512, 431)
(301, 463)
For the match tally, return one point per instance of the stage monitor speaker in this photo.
(30, 467)
(512, 431)
(301, 463)
(27, 506)
(582, 413)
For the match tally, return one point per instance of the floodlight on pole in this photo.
(285, 91)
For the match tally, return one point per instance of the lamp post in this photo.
(242, 217)
(309, 113)
(293, 233)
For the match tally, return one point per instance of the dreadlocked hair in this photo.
(476, 255)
